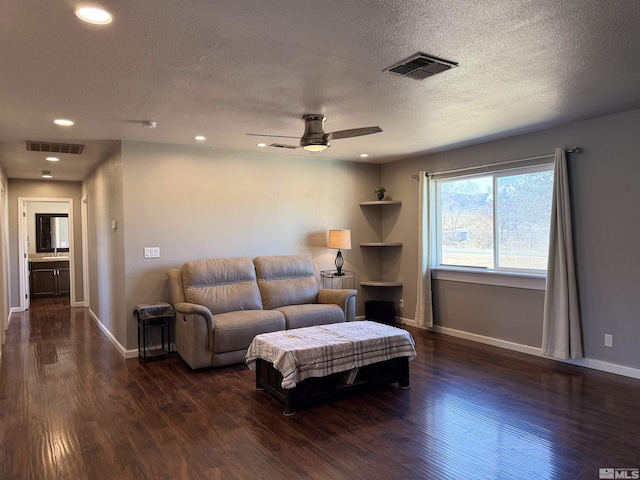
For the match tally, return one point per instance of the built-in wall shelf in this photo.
(380, 283)
(382, 202)
(381, 244)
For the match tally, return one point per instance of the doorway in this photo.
(57, 250)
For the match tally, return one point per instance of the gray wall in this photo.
(42, 189)
(605, 195)
(105, 202)
(197, 203)
(490, 311)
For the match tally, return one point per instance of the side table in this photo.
(151, 316)
(331, 279)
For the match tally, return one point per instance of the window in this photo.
(498, 220)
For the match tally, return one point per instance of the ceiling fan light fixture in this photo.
(316, 143)
(315, 148)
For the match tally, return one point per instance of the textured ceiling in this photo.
(226, 68)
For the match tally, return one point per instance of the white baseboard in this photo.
(409, 322)
(581, 362)
(606, 367)
(11, 311)
(496, 342)
(123, 351)
(131, 353)
(400, 320)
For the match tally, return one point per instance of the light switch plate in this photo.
(151, 252)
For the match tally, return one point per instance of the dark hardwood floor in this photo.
(72, 408)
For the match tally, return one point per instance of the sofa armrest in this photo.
(345, 299)
(192, 312)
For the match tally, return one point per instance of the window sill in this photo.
(529, 281)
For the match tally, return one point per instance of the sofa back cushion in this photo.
(222, 284)
(286, 280)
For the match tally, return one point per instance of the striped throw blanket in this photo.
(325, 349)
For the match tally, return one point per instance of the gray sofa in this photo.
(222, 303)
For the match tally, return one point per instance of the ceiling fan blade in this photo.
(264, 135)
(282, 145)
(354, 132)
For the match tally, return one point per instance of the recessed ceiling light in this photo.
(200, 138)
(261, 145)
(92, 14)
(53, 159)
(364, 155)
(46, 174)
(63, 122)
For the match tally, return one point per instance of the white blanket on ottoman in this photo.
(325, 349)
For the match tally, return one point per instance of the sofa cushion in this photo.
(222, 284)
(309, 315)
(286, 280)
(235, 330)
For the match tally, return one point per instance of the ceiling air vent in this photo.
(420, 66)
(54, 147)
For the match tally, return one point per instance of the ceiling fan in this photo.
(315, 139)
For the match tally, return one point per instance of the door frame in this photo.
(84, 224)
(23, 250)
(4, 265)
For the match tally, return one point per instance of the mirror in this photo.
(52, 232)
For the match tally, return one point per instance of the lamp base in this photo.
(339, 263)
(338, 274)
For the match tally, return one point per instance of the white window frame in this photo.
(502, 276)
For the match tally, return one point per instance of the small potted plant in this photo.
(380, 192)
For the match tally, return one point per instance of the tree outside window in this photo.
(495, 221)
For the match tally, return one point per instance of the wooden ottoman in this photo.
(311, 364)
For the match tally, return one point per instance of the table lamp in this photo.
(340, 239)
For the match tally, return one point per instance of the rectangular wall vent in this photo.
(54, 147)
(420, 66)
(282, 145)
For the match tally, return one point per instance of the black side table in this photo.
(150, 316)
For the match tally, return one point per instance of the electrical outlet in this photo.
(401, 303)
(151, 252)
(608, 340)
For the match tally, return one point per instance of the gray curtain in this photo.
(424, 308)
(561, 329)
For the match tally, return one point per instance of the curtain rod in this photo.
(456, 170)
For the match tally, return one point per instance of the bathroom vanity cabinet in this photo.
(49, 278)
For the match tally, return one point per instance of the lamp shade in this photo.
(340, 239)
